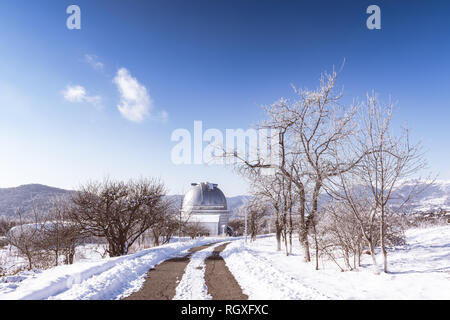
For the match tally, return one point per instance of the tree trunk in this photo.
(286, 243)
(71, 255)
(30, 263)
(117, 249)
(374, 260)
(315, 206)
(316, 243)
(155, 239)
(303, 229)
(290, 242)
(291, 229)
(56, 258)
(382, 242)
(278, 235)
(359, 254)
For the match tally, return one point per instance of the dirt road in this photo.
(220, 281)
(163, 279)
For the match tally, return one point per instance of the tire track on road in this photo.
(163, 279)
(220, 281)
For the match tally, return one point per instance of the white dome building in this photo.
(206, 204)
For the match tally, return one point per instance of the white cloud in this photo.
(94, 61)
(135, 102)
(162, 116)
(78, 94)
(74, 93)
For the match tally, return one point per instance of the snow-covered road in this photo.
(418, 270)
(106, 279)
(192, 286)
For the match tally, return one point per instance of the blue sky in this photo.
(216, 61)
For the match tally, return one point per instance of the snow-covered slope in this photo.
(430, 198)
(105, 279)
(418, 270)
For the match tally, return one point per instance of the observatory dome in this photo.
(206, 205)
(203, 196)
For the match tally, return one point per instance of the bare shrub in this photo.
(166, 227)
(256, 212)
(195, 229)
(61, 236)
(26, 237)
(3, 241)
(118, 211)
(340, 236)
(47, 239)
(6, 224)
(237, 225)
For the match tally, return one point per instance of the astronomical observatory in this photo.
(206, 204)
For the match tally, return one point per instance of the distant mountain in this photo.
(27, 197)
(235, 203)
(430, 198)
(24, 198)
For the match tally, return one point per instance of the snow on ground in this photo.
(11, 263)
(418, 270)
(110, 278)
(192, 286)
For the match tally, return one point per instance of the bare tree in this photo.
(237, 225)
(324, 128)
(310, 129)
(340, 234)
(166, 227)
(6, 224)
(389, 160)
(268, 188)
(323, 144)
(195, 229)
(48, 237)
(60, 235)
(27, 238)
(256, 210)
(353, 197)
(293, 164)
(290, 174)
(118, 211)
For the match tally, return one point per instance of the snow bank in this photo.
(110, 278)
(419, 270)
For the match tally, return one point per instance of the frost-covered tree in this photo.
(390, 158)
(324, 143)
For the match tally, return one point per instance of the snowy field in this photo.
(11, 262)
(105, 279)
(418, 270)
